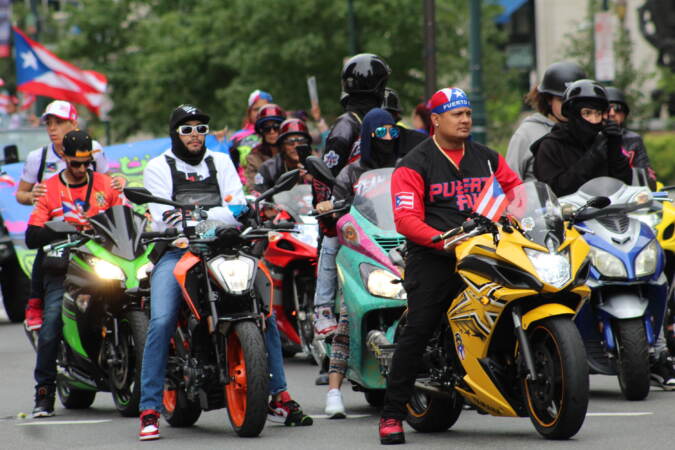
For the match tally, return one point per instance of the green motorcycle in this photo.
(104, 311)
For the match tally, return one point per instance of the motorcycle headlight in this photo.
(382, 283)
(308, 234)
(106, 270)
(642, 197)
(233, 274)
(552, 268)
(144, 270)
(645, 263)
(607, 264)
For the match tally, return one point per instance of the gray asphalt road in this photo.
(612, 422)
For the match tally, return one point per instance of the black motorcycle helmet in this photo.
(558, 75)
(365, 73)
(615, 95)
(586, 92)
(391, 101)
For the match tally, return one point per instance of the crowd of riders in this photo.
(577, 132)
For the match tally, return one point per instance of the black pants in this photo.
(431, 283)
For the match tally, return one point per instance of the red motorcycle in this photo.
(291, 256)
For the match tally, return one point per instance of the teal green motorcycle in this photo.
(370, 270)
(104, 311)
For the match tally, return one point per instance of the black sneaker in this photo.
(44, 401)
(663, 373)
(289, 413)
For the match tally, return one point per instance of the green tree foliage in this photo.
(160, 53)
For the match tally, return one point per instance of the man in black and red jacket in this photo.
(434, 188)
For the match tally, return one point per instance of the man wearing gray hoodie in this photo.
(546, 99)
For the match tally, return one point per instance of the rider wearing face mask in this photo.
(378, 148)
(585, 147)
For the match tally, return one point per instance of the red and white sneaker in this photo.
(34, 310)
(149, 425)
(324, 321)
(391, 432)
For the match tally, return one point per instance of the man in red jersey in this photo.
(433, 188)
(74, 195)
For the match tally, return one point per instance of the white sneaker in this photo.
(324, 321)
(335, 409)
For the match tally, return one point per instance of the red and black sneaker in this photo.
(149, 425)
(391, 431)
(34, 311)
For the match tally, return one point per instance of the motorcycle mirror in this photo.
(286, 181)
(598, 202)
(318, 169)
(61, 227)
(141, 196)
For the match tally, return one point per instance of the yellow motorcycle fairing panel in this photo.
(495, 406)
(665, 230)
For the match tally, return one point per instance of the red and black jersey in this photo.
(431, 193)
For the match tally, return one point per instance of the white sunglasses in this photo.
(185, 130)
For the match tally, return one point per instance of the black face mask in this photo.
(581, 128)
(383, 152)
(180, 150)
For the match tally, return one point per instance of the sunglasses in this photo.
(268, 128)
(295, 140)
(618, 108)
(381, 132)
(185, 130)
(78, 164)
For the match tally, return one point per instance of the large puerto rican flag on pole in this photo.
(40, 72)
(491, 202)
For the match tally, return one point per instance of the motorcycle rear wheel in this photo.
(247, 390)
(557, 401)
(179, 411)
(15, 287)
(125, 378)
(432, 414)
(632, 351)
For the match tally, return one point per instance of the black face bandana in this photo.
(180, 150)
(383, 152)
(581, 128)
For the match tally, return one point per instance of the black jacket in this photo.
(565, 164)
(269, 172)
(340, 141)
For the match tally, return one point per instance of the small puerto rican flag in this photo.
(405, 200)
(491, 202)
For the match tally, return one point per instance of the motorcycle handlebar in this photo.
(171, 232)
(466, 227)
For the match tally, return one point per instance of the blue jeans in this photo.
(326, 279)
(275, 358)
(165, 300)
(50, 333)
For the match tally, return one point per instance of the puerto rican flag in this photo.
(491, 202)
(40, 72)
(404, 200)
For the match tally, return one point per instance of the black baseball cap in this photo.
(185, 113)
(77, 143)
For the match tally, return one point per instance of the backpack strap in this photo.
(43, 163)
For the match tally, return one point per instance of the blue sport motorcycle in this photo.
(621, 322)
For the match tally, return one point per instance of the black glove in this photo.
(303, 152)
(172, 218)
(613, 132)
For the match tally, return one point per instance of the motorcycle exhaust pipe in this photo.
(377, 341)
(70, 376)
(434, 390)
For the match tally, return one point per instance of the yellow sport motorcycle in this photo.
(509, 345)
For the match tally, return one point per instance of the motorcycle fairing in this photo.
(187, 262)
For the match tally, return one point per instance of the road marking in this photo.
(613, 414)
(62, 422)
(349, 416)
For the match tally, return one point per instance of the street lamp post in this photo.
(429, 48)
(351, 28)
(479, 131)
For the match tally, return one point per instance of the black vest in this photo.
(188, 190)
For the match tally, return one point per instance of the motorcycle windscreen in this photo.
(372, 197)
(536, 208)
(296, 201)
(120, 229)
(602, 187)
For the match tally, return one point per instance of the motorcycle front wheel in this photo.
(125, 373)
(632, 350)
(247, 390)
(557, 399)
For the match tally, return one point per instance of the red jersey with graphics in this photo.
(63, 202)
(433, 191)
